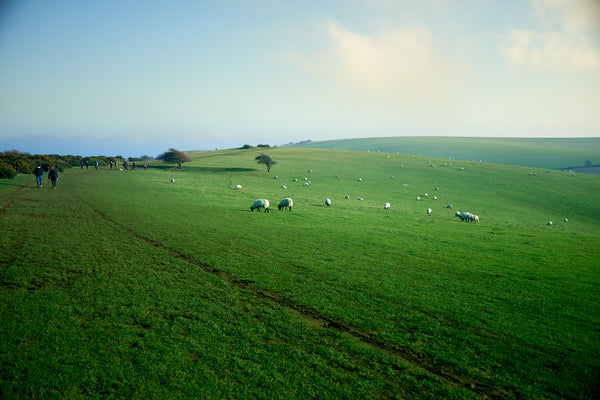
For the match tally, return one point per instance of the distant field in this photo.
(121, 284)
(533, 152)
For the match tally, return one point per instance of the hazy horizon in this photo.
(135, 78)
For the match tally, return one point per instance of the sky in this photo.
(131, 78)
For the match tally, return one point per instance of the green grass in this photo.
(531, 152)
(122, 284)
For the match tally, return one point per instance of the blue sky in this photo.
(137, 77)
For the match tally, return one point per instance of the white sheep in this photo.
(549, 223)
(306, 184)
(435, 197)
(360, 198)
(172, 180)
(475, 218)
(566, 220)
(283, 187)
(457, 214)
(264, 203)
(237, 187)
(428, 211)
(418, 198)
(275, 177)
(347, 197)
(327, 202)
(386, 206)
(287, 202)
(295, 180)
(449, 206)
(360, 179)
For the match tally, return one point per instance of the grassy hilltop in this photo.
(529, 152)
(122, 284)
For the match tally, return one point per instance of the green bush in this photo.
(23, 167)
(7, 172)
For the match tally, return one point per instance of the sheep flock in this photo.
(287, 202)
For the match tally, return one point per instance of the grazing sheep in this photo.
(287, 202)
(360, 179)
(566, 220)
(237, 187)
(295, 180)
(418, 198)
(386, 206)
(425, 195)
(172, 180)
(360, 198)
(449, 206)
(264, 203)
(428, 211)
(467, 216)
(457, 214)
(435, 197)
(327, 202)
(310, 170)
(283, 187)
(275, 177)
(306, 184)
(347, 197)
(549, 223)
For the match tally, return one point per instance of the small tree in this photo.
(265, 159)
(588, 163)
(176, 156)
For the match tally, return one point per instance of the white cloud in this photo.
(403, 62)
(570, 40)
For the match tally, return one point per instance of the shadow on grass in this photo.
(203, 169)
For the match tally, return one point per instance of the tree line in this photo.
(14, 161)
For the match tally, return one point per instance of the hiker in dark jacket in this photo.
(38, 175)
(53, 176)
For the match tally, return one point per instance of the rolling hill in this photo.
(161, 283)
(531, 152)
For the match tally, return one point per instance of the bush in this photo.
(23, 167)
(7, 172)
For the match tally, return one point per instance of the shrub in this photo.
(23, 167)
(7, 172)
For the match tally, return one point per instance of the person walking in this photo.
(111, 164)
(96, 164)
(39, 172)
(53, 176)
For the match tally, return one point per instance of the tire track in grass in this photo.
(9, 197)
(445, 373)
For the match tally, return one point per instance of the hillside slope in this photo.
(531, 152)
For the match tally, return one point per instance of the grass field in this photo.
(122, 284)
(531, 152)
